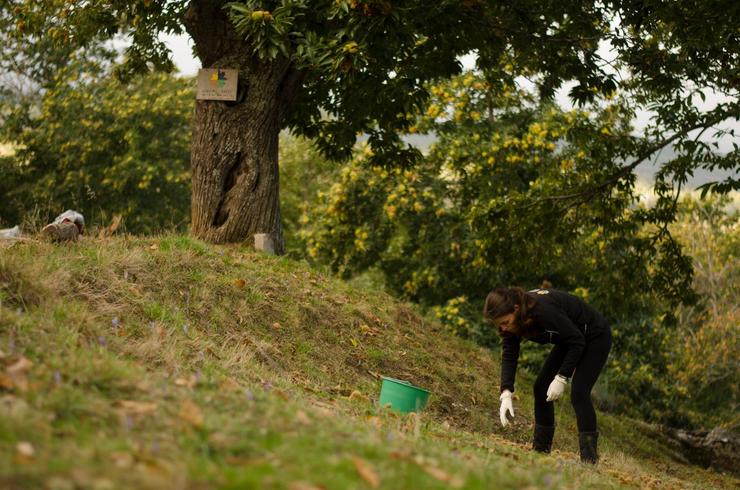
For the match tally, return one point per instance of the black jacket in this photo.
(557, 318)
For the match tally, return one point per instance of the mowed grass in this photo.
(170, 363)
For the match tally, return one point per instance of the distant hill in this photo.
(645, 172)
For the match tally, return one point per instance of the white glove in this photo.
(507, 405)
(556, 388)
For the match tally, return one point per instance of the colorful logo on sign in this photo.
(218, 79)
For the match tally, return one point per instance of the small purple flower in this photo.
(101, 340)
(547, 480)
(128, 422)
(115, 322)
(267, 386)
(202, 355)
(198, 375)
(249, 394)
(125, 275)
(186, 328)
(57, 378)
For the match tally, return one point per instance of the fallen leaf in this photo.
(188, 382)
(136, 291)
(190, 412)
(21, 366)
(437, 473)
(229, 384)
(122, 460)
(323, 410)
(211, 352)
(338, 390)
(6, 382)
(25, 449)
(153, 246)
(12, 406)
(132, 407)
(143, 386)
(240, 283)
(301, 485)
(276, 326)
(281, 394)
(366, 472)
(112, 228)
(403, 454)
(57, 482)
(356, 395)
(219, 441)
(302, 417)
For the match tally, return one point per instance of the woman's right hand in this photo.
(507, 405)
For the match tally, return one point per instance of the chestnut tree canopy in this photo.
(333, 69)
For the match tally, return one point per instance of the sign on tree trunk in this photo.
(217, 84)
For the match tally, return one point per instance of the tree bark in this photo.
(234, 154)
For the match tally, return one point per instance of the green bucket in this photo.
(402, 395)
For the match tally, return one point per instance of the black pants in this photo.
(584, 378)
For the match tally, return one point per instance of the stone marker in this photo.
(264, 243)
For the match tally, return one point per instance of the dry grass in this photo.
(168, 360)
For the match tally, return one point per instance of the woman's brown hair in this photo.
(501, 301)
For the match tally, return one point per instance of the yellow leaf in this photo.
(188, 382)
(301, 485)
(132, 407)
(437, 473)
(281, 394)
(190, 412)
(25, 449)
(6, 382)
(229, 384)
(19, 367)
(357, 395)
(122, 459)
(443, 476)
(302, 417)
(240, 283)
(366, 472)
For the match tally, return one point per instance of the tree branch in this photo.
(590, 192)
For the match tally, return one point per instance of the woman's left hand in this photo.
(557, 388)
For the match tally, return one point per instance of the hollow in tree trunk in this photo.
(234, 154)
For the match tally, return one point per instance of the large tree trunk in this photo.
(234, 155)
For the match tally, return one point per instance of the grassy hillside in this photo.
(169, 363)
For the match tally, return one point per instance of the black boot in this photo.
(543, 438)
(587, 442)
